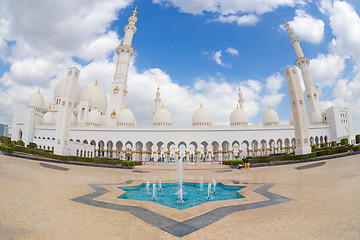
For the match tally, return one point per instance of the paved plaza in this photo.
(317, 200)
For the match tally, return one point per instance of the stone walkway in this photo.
(37, 202)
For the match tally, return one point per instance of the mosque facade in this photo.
(87, 123)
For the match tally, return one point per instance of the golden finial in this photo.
(237, 105)
(126, 106)
(158, 88)
(135, 12)
(96, 82)
(269, 106)
(239, 89)
(201, 105)
(38, 90)
(287, 24)
(162, 105)
(95, 108)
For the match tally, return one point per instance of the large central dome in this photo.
(96, 96)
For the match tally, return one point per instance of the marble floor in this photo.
(298, 201)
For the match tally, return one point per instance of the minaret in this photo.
(124, 52)
(157, 100)
(66, 107)
(241, 99)
(312, 96)
(301, 127)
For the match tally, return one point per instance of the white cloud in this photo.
(244, 20)
(345, 25)
(307, 28)
(3, 49)
(326, 69)
(232, 51)
(100, 47)
(217, 58)
(228, 6)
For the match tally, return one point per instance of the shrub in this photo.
(130, 163)
(356, 148)
(233, 162)
(344, 141)
(5, 140)
(322, 153)
(19, 148)
(20, 143)
(32, 145)
(357, 137)
(6, 149)
(333, 144)
(313, 148)
(323, 145)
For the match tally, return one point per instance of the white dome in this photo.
(36, 100)
(96, 96)
(126, 118)
(162, 117)
(59, 89)
(315, 117)
(94, 117)
(270, 117)
(291, 119)
(48, 118)
(201, 117)
(238, 117)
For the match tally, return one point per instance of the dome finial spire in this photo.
(287, 24)
(96, 82)
(269, 107)
(135, 12)
(38, 90)
(158, 88)
(201, 105)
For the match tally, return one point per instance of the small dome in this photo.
(94, 117)
(162, 117)
(270, 117)
(48, 118)
(126, 118)
(315, 117)
(59, 89)
(201, 117)
(96, 96)
(36, 100)
(291, 119)
(238, 117)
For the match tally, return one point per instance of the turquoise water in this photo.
(192, 194)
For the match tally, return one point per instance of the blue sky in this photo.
(198, 52)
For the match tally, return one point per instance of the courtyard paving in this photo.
(319, 200)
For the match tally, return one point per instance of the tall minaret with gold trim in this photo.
(311, 93)
(117, 100)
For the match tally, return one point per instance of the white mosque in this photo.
(87, 123)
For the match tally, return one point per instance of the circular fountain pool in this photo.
(192, 195)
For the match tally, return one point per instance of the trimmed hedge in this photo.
(5, 140)
(6, 149)
(313, 148)
(333, 144)
(323, 145)
(344, 141)
(357, 137)
(356, 148)
(131, 163)
(233, 162)
(32, 145)
(20, 143)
